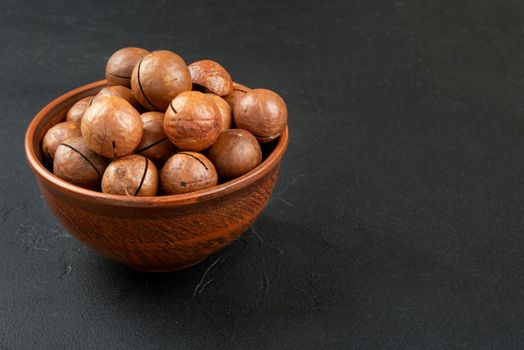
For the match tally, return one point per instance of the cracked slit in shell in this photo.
(143, 178)
(83, 156)
(145, 148)
(141, 88)
(200, 161)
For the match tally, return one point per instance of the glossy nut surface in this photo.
(76, 163)
(235, 153)
(212, 76)
(120, 65)
(158, 78)
(187, 172)
(225, 111)
(192, 121)
(132, 175)
(76, 112)
(154, 143)
(58, 134)
(112, 127)
(261, 112)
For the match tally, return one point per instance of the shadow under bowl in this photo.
(162, 233)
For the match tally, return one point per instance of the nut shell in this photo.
(131, 175)
(187, 172)
(58, 134)
(76, 112)
(76, 163)
(154, 143)
(120, 91)
(192, 121)
(120, 65)
(112, 127)
(225, 111)
(261, 112)
(158, 78)
(236, 94)
(235, 153)
(212, 76)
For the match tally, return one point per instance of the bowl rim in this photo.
(63, 186)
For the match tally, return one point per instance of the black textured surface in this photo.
(397, 219)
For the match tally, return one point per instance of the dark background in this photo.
(397, 219)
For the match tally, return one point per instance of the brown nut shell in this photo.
(235, 153)
(187, 172)
(117, 90)
(112, 127)
(76, 163)
(120, 65)
(158, 78)
(58, 134)
(192, 121)
(261, 112)
(131, 175)
(238, 92)
(212, 76)
(225, 111)
(76, 112)
(154, 143)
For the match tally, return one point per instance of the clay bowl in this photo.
(163, 233)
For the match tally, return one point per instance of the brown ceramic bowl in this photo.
(163, 233)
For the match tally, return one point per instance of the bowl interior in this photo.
(55, 112)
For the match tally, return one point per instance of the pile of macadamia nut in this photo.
(192, 122)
